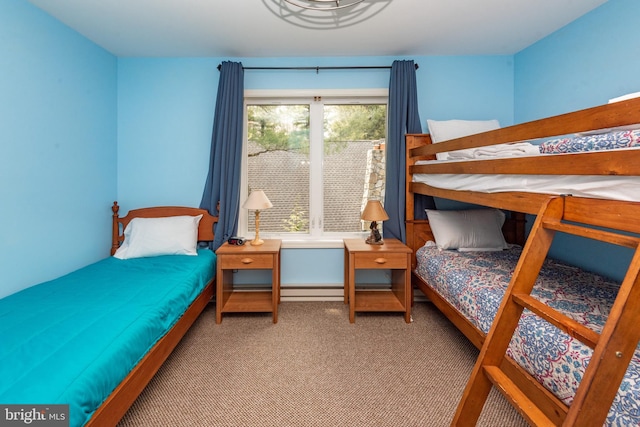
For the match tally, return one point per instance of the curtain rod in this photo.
(317, 69)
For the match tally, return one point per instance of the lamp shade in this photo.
(257, 200)
(374, 211)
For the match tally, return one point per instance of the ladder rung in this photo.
(592, 233)
(575, 329)
(517, 397)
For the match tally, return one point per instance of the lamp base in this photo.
(375, 238)
(257, 241)
(372, 241)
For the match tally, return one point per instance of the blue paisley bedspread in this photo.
(593, 142)
(475, 282)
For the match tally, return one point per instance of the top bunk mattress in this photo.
(615, 187)
(622, 188)
(73, 339)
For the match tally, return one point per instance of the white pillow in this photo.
(148, 237)
(625, 97)
(445, 130)
(468, 230)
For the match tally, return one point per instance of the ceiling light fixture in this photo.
(325, 14)
(323, 4)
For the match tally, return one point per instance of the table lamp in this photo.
(374, 212)
(257, 201)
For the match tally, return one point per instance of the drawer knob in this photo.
(246, 260)
(380, 260)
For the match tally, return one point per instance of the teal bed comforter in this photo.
(73, 339)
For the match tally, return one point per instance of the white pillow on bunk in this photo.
(468, 230)
(148, 237)
(625, 97)
(445, 130)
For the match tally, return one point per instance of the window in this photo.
(318, 158)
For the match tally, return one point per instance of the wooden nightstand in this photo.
(247, 257)
(392, 255)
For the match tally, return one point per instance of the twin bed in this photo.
(94, 338)
(563, 351)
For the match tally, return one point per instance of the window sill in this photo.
(305, 242)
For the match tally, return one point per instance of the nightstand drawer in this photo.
(246, 261)
(381, 260)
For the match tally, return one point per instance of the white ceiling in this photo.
(272, 28)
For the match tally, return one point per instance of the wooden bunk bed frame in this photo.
(613, 348)
(121, 399)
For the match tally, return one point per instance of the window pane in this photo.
(354, 163)
(278, 163)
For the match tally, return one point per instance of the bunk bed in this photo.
(94, 338)
(512, 322)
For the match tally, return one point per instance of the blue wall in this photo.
(594, 59)
(58, 137)
(81, 128)
(165, 116)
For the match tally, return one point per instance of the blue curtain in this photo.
(223, 179)
(403, 118)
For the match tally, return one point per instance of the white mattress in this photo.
(624, 188)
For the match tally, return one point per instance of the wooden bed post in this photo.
(514, 228)
(409, 201)
(413, 141)
(417, 231)
(115, 230)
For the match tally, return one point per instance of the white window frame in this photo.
(316, 238)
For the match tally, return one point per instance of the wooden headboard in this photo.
(205, 229)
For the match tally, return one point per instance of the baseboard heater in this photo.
(323, 292)
(312, 293)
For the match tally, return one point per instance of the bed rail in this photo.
(623, 113)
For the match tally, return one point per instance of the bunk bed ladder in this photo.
(613, 348)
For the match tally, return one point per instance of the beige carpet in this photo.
(314, 368)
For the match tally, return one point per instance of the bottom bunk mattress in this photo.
(72, 340)
(475, 282)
